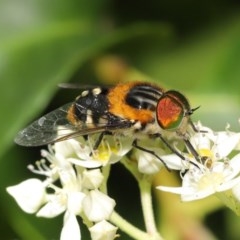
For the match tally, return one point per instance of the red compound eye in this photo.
(171, 110)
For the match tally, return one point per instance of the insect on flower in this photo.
(136, 109)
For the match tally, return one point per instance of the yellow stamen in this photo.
(104, 151)
(206, 156)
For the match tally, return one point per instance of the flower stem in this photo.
(145, 185)
(105, 172)
(127, 227)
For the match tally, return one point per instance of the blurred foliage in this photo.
(192, 46)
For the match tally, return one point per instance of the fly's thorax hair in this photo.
(141, 130)
(91, 106)
(135, 101)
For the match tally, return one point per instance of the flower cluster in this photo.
(76, 177)
(74, 185)
(216, 171)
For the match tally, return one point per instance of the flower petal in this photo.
(229, 184)
(74, 203)
(226, 145)
(196, 195)
(201, 140)
(97, 206)
(174, 162)
(87, 163)
(29, 194)
(66, 148)
(103, 231)
(176, 190)
(147, 163)
(55, 206)
(235, 165)
(236, 191)
(92, 179)
(71, 228)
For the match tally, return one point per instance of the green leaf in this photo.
(41, 44)
(205, 61)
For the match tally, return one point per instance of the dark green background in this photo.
(191, 46)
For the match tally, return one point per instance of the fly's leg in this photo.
(99, 140)
(188, 144)
(135, 144)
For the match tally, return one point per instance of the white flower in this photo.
(216, 145)
(214, 172)
(110, 150)
(103, 231)
(200, 183)
(76, 195)
(97, 206)
(92, 179)
(58, 202)
(29, 194)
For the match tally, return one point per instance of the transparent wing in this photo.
(55, 126)
(46, 129)
(80, 86)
